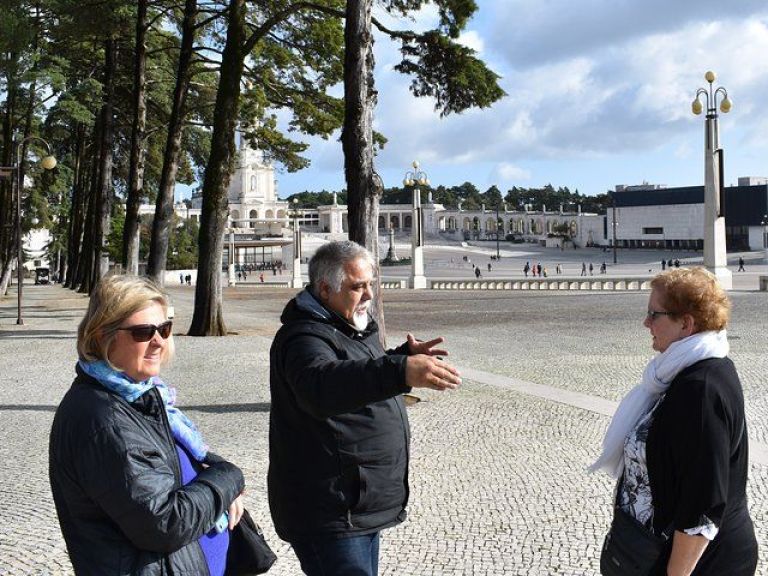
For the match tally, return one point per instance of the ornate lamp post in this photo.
(297, 281)
(416, 178)
(48, 163)
(714, 201)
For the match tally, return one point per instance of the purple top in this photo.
(214, 545)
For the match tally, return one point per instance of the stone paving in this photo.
(497, 474)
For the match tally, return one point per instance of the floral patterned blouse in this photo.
(634, 490)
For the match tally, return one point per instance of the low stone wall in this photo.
(592, 283)
(390, 284)
(605, 283)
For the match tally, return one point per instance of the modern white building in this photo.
(673, 218)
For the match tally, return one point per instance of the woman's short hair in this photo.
(697, 292)
(328, 263)
(113, 300)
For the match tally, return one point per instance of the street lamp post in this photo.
(497, 232)
(415, 178)
(297, 281)
(764, 224)
(614, 224)
(48, 163)
(715, 258)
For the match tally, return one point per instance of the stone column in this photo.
(714, 222)
(418, 280)
(297, 281)
(231, 265)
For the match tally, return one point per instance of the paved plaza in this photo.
(498, 482)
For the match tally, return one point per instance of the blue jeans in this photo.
(355, 556)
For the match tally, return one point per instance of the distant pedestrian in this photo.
(591, 268)
(669, 263)
(544, 272)
(188, 278)
(677, 263)
(239, 276)
(741, 265)
(489, 265)
(558, 269)
(663, 265)
(181, 279)
(477, 271)
(539, 269)
(526, 269)
(261, 277)
(603, 268)
(584, 268)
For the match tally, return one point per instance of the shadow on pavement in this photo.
(226, 408)
(27, 408)
(35, 334)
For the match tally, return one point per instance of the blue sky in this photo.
(599, 94)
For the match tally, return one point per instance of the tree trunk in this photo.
(86, 260)
(161, 225)
(130, 253)
(103, 198)
(364, 187)
(7, 211)
(77, 203)
(208, 319)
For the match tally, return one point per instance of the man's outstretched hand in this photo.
(428, 347)
(423, 371)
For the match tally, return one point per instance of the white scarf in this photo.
(657, 377)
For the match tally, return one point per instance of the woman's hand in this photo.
(236, 511)
(686, 552)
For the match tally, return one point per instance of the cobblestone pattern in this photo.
(497, 478)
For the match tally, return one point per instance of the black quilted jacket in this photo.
(116, 483)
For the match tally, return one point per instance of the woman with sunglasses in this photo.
(136, 489)
(678, 443)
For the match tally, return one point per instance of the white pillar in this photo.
(297, 281)
(231, 266)
(714, 224)
(418, 281)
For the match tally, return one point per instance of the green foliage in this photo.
(293, 69)
(314, 199)
(115, 238)
(182, 244)
(449, 72)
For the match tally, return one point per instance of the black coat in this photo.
(116, 483)
(338, 431)
(698, 457)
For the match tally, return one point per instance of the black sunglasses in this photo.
(653, 314)
(145, 332)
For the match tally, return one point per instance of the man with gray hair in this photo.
(338, 430)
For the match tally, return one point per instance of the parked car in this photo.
(42, 276)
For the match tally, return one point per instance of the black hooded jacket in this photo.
(116, 483)
(338, 431)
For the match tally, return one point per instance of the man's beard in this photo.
(360, 320)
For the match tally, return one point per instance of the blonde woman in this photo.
(136, 489)
(678, 441)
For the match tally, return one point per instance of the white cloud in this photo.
(472, 39)
(509, 172)
(590, 83)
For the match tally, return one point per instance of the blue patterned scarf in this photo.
(183, 429)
